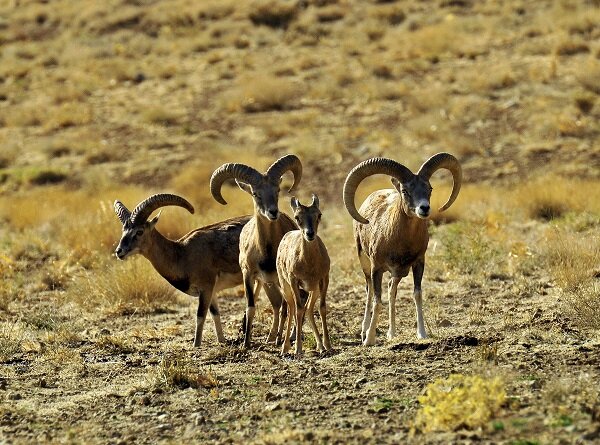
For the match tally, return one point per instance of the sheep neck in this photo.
(400, 217)
(163, 254)
(269, 234)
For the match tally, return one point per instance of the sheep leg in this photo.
(310, 313)
(418, 269)
(392, 290)
(287, 293)
(376, 278)
(250, 310)
(367, 317)
(203, 304)
(216, 316)
(300, 299)
(274, 293)
(284, 314)
(323, 311)
(257, 287)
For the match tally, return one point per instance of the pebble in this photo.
(14, 396)
(269, 396)
(199, 420)
(273, 406)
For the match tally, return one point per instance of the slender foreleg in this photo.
(376, 277)
(392, 290)
(417, 270)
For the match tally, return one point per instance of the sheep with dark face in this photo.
(260, 238)
(392, 235)
(200, 263)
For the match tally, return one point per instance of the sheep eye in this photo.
(139, 233)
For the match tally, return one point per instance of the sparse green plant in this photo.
(460, 401)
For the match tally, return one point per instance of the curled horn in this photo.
(231, 170)
(449, 162)
(367, 168)
(145, 208)
(315, 201)
(283, 164)
(122, 212)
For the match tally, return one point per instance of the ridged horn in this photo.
(145, 208)
(367, 168)
(449, 162)
(122, 212)
(231, 170)
(283, 164)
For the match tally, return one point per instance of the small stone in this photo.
(270, 397)
(199, 420)
(369, 365)
(445, 323)
(14, 396)
(273, 406)
(42, 383)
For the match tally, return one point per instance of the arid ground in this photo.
(124, 98)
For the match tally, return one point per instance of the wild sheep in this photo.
(261, 236)
(392, 236)
(303, 267)
(200, 263)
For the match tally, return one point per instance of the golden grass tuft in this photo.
(550, 197)
(460, 401)
(122, 288)
(273, 13)
(264, 92)
(180, 372)
(573, 259)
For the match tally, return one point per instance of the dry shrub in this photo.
(180, 372)
(589, 75)
(264, 92)
(12, 336)
(273, 13)
(451, 37)
(69, 114)
(550, 197)
(23, 116)
(121, 288)
(160, 115)
(570, 47)
(573, 259)
(460, 401)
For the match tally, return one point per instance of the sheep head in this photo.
(264, 188)
(414, 188)
(136, 227)
(307, 217)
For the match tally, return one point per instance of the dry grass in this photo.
(264, 92)
(99, 103)
(179, 372)
(551, 197)
(123, 288)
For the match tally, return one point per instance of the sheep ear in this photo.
(245, 187)
(294, 203)
(397, 184)
(154, 220)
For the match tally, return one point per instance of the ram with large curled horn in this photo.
(391, 231)
(260, 238)
(200, 263)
